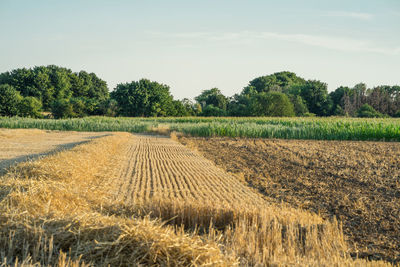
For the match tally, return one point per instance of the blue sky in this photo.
(197, 45)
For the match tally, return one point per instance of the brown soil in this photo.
(356, 182)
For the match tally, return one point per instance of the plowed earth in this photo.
(357, 182)
(21, 145)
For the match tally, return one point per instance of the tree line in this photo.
(53, 91)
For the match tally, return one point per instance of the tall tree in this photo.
(30, 107)
(44, 87)
(278, 81)
(213, 97)
(9, 100)
(315, 93)
(143, 98)
(274, 104)
(60, 79)
(299, 105)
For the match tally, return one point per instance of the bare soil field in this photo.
(17, 145)
(356, 182)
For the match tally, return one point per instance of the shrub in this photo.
(366, 111)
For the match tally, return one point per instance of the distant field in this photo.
(332, 128)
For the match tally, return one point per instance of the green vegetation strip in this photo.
(332, 128)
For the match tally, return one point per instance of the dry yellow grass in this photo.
(56, 204)
(17, 145)
(73, 208)
(14, 133)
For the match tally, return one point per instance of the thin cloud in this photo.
(248, 38)
(395, 13)
(353, 15)
(332, 42)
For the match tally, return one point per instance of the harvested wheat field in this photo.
(356, 182)
(159, 168)
(18, 145)
(128, 200)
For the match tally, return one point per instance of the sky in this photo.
(197, 45)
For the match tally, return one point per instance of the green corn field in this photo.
(332, 128)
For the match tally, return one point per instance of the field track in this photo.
(158, 167)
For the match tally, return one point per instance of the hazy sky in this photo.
(197, 45)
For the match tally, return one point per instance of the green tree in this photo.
(339, 111)
(240, 104)
(213, 97)
(60, 79)
(278, 81)
(366, 111)
(299, 105)
(99, 88)
(193, 109)
(109, 108)
(44, 87)
(272, 104)
(212, 111)
(197, 109)
(22, 81)
(180, 109)
(143, 98)
(30, 107)
(337, 97)
(79, 84)
(62, 108)
(315, 93)
(50, 83)
(9, 100)
(248, 102)
(79, 107)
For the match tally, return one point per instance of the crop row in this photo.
(159, 168)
